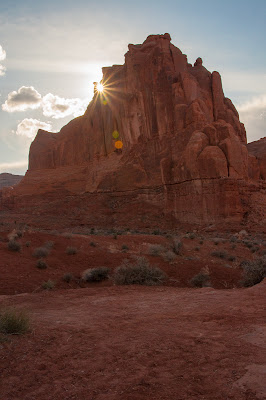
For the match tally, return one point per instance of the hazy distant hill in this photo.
(9, 179)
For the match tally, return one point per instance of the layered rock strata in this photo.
(182, 155)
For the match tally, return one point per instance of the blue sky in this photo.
(52, 51)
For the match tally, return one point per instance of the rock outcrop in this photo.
(161, 142)
(257, 152)
(7, 180)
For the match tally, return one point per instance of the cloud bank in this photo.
(59, 107)
(13, 166)
(2, 58)
(28, 98)
(29, 127)
(253, 114)
(24, 99)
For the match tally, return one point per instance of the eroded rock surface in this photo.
(183, 156)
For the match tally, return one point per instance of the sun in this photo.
(100, 87)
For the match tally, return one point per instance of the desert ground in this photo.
(98, 340)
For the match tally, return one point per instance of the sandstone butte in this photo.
(184, 157)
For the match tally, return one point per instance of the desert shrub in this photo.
(248, 244)
(200, 280)
(67, 277)
(115, 236)
(92, 231)
(231, 258)
(233, 246)
(40, 252)
(253, 272)
(96, 274)
(219, 254)
(197, 248)
(41, 264)
(92, 244)
(254, 249)
(12, 235)
(13, 245)
(48, 285)
(125, 247)
(67, 235)
(233, 239)
(169, 256)
(191, 235)
(201, 241)
(14, 322)
(27, 244)
(49, 244)
(19, 234)
(139, 272)
(156, 232)
(71, 250)
(177, 246)
(156, 249)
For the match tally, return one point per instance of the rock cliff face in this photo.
(161, 141)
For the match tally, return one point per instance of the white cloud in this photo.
(25, 98)
(13, 166)
(52, 105)
(2, 57)
(253, 114)
(59, 107)
(2, 54)
(29, 127)
(2, 70)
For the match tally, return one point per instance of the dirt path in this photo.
(134, 343)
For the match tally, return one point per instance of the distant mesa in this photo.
(7, 180)
(183, 154)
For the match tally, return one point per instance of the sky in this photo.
(51, 53)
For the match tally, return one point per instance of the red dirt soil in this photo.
(134, 343)
(19, 273)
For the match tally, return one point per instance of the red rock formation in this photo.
(257, 151)
(184, 151)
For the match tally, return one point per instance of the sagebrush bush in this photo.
(14, 322)
(200, 280)
(156, 249)
(219, 254)
(48, 285)
(27, 244)
(13, 245)
(67, 277)
(40, 252)
(49, 244)
(139, 272)
(253, 272)
(96, 274)
(41, 264)
(71, 250)
(169, 256)
(177, 246)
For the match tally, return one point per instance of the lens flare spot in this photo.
(118, 144)
(104, 102)
(100, 87)
(115, 134)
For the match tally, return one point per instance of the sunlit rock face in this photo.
(182, 150)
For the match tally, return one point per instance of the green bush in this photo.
(253, 272)
(14, 322)
(96, 274)
(200, 280)
(13, 245)
(139, 272)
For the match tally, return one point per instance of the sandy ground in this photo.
(135, 343)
